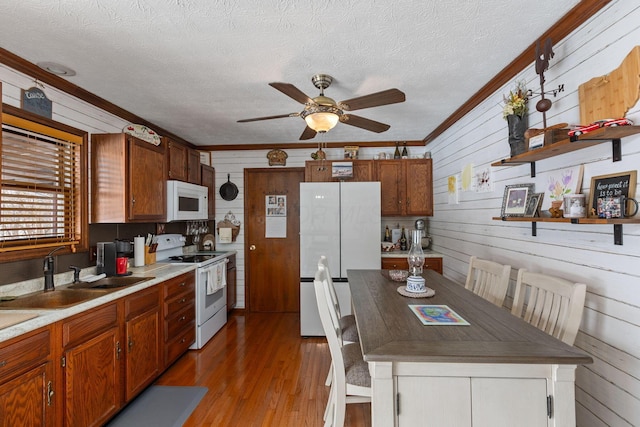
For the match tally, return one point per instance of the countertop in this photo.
(428, 253)
(159, 273)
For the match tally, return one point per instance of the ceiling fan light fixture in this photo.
(321, 118)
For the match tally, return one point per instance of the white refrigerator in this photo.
(340, 220)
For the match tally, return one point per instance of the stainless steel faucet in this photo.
(49, 267)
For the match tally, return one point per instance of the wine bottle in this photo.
(396, 154)
(387, 234)
(405, 153)
(403, 240)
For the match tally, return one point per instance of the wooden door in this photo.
(272, 277)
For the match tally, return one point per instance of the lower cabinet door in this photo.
(143, 356)
(92, 380)
(28, 399)
(433, 401)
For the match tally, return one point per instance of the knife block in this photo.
(149, 257)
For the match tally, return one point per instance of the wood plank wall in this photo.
(607, 391)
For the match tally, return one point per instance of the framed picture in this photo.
(351, 152)
(533, 207)
(516, 199)
(606, 191)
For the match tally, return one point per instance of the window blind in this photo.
(40, 192)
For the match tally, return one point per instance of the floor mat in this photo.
(160, 406)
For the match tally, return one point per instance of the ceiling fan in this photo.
(323, 113)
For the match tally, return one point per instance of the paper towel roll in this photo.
(138, 251)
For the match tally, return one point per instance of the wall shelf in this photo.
(613, 134)
(617, 223)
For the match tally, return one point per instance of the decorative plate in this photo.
(402, 290)
(142, 132)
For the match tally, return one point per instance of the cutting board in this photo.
(10, 319)
(611, 96)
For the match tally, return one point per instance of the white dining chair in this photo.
(351, 382)
(347, 322)
(550, 303)
(488, 279)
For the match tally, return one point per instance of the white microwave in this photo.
(186, 202)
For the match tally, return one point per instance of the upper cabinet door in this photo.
(147, 185)
(178, 155)
(193, 166)
(208, 179)
(390, 173)
(419, 187)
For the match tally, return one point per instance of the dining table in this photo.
(455, 359)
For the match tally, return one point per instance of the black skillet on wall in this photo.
(228, 190)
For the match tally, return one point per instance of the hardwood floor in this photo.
(260, 372)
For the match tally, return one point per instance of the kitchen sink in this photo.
(59, 298)
(112, 283)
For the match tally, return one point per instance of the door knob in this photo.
(252, 247)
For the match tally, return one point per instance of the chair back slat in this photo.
(550, 303)
(488, 279)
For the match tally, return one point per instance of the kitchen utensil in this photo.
(228, 190)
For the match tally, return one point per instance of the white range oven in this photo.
(211, 289)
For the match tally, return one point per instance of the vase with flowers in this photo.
(515, 113)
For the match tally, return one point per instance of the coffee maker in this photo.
(425, 240)
(106, 258)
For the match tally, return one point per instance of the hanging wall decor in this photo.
(277, 157)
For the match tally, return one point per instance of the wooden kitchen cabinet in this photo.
(92, 380)
(27, 385)
(406, 187)
(184, 162)
(320, 171)
(208, 179)
(128, 179)
(401, 263)
(231, 282)
(179, 310)
(193, 166)
(143, 361)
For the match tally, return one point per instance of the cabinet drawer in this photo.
(434, 264)
(180, 344)
(89, 324)
(174, 325)
(178, 303)
(180, 284)
(20, 355)
(141, 302)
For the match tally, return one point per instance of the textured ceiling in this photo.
(195, 67)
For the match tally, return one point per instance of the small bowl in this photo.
(398, 275)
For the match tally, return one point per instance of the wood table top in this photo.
(390, 331)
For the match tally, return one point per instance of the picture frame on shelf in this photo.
(534, 205)
(516, 199)
(606, 188)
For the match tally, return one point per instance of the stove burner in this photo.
(191, 258)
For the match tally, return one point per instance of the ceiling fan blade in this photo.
(269, 117)
(292, 92)
(389, 96)
(308, 133)
(361, 122)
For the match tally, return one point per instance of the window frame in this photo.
(33, 122)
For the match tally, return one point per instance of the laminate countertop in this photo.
(32, 319)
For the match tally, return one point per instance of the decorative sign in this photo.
(35, 101)
(611, 186)
(277, 157)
